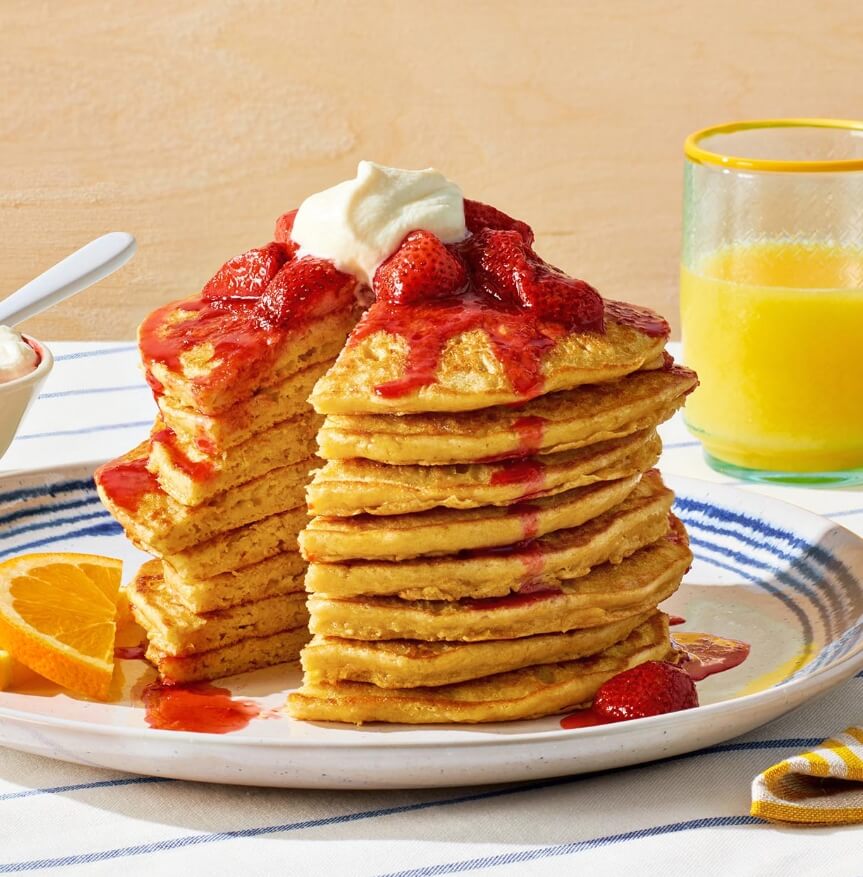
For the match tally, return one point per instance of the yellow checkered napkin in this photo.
(822, 787)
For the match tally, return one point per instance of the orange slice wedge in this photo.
(58, 616)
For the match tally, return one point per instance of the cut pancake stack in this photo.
(217, 493)
(475, 562)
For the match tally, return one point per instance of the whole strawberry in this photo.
(478, 216)
(649, 689)
(247, 275)
(422, 269)
(304, 288)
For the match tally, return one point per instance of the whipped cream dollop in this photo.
(17, 357)
(359, 223)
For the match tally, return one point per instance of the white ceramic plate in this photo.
(784, 580)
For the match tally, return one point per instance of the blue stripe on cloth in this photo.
(107, 528)
(673, 446)
(78, 787)
(89, 391)
(100, 351)
(45, 509)
(216, 837)
(46, 490)
(843, 513)
(85, 430)
(579, 846)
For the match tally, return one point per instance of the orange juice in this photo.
(775, 332)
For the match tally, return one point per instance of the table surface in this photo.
(684, 815)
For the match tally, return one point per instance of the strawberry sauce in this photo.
(196, 706)
(511, 601)
(127, 482)
(705, 654)
(198, 471)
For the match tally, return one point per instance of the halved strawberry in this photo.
(284, 227)
(422, 269)
(508, 269)
(649, 689)
(247, 275)
(304, 288)
(478, 216)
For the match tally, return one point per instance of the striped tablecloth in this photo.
(688, 815)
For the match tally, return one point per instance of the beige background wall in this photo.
(194, 124)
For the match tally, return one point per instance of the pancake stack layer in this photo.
(217, 493)
(477, 563)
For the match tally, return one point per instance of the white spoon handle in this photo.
(83, 268)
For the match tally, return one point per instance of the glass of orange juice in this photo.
(771, 298)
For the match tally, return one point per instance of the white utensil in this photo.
(83, 268)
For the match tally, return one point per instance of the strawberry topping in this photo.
(649, 689)
(247, 275)
(506, 268)
(422, 269)
(479, 216)
(284, 227)
(304, 288)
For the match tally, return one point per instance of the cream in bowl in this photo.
(24, 365)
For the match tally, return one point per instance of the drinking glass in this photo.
(771, 298)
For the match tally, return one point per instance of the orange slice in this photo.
(58, 616)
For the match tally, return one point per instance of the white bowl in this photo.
(17, 396)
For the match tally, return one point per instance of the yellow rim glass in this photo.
(696, 153)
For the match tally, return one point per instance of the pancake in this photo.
(174, 630)
(165, 526)
(247, 654)
(281, 574)
(640, 519)
(352, 487)
(258, 356)
(240, 547)
(192, 478)
(608, 593)
(412, 663)
(447, 531)
(519, 694)
(212, 433)
(470, 375)
(550, 424)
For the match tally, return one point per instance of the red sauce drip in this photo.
(518, 338)
(529, 517)
(530, 430)
(131, 653)
(705, 654)
(529, 473)
(676, 619)
(197, 706)
(206, 445)
(510, 601)
(127, 482)
(196, 470)
(586, 718)
(637, 317)
(529, 553)
(233, 328)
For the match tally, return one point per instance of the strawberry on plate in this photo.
(649, 689)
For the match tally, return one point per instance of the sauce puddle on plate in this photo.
(196, 706)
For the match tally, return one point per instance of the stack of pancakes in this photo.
(475, 557)
(217, 492)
